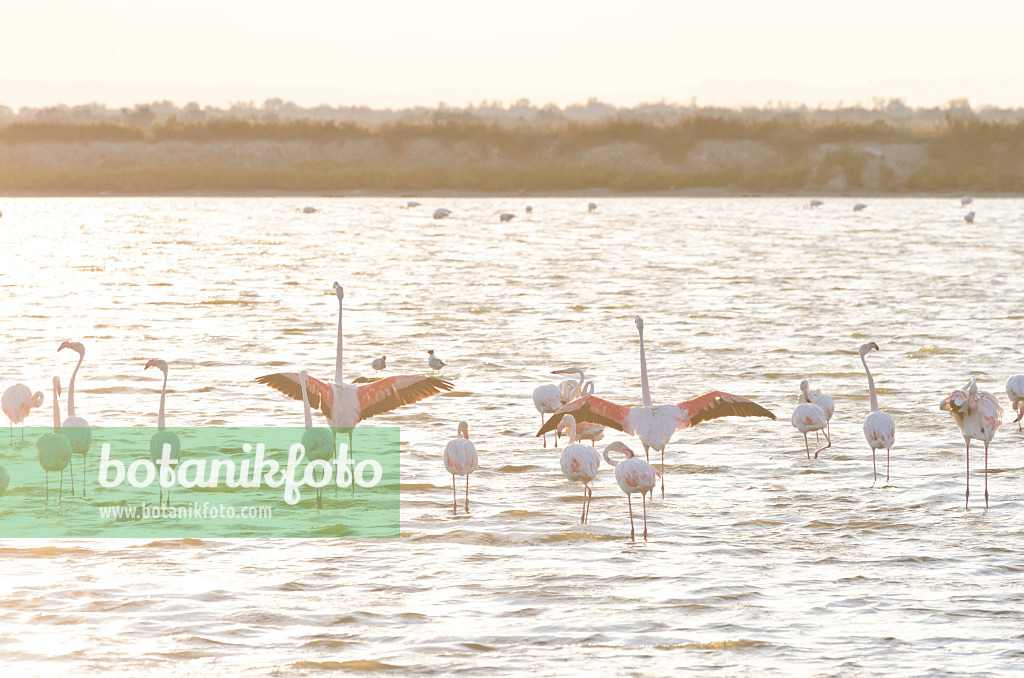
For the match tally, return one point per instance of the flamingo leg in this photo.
(72, 463)
(807, 446)
(319, 495)
(60, 493)
(47, 476)
(887, 466)
(825, 447)
(590, 498)
(455, 504)
(545, 435)
(83, 476)
(986, 474)
(168, 497)
(352, 452)
(645, 518)
(467, 493)
(583, 515)
(967, 495)
(629, 499)
(873, 467)
(662, 475)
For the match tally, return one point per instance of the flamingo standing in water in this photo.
(825, 402)
(76, 428)
(809, 417)
(54, 448)
(163, 438)
(879, 427)
(1015, 392)
(633, 475)
(579, 464)
(547, 398)
(345, 405)
(16, 402)
(655, 425)
(978, 415)
(461, 459)
(318, 442)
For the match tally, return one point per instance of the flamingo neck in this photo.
(644, 385)
(578, 389)
(71, 388)
(607, 458)
(305, 402)
(163, 399)
(337, 358)
(572, 433)
(56, 412)
(871, 386)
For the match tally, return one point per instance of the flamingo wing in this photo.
(590, 410)
(391, 393)
(720, 404)
(320, 394)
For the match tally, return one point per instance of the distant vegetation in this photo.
(281, 147)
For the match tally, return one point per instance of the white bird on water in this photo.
(529, 209)
(163, 438)
(879, 427)
(442, 213)
(579, 464)
(859, 206)
(655, 425)
(966, 200)
(591, 206)
(969, 217)
(978, 416)
(809, 417)
(1015, 392)
(54, 448)
(825, 402)
(76, 428)
(817, 203)
(633, 475)
(412, 203)
(461, 459)
(435, 363)
(507, 216)
(547, 398)
(16, 402)
(380, 363)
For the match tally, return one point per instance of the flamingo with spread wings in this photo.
(345, 405)
(654, 425)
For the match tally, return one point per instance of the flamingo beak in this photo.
(944, 405)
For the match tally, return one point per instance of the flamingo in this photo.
(809, 417)
(318, 442)
(1015, 392)
(966, 200)
(547, 398)
(380, 363)
(16, 402)
(5, 480)
(579, 464)
(633, 475)
(412, 203)
(817, 203)
(507, 216)
(585, 431)
(978, 415)
(76, 428)
(969, 217)
(442, 213)
(163, 438)
(879, 427)
(345, 405)
(655, 425)
(460, 459)
(859, 206)
(529, 209)
(54, 448)
(591, 206)
(435, 363)
(825, 402)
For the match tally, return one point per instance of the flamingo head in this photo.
(339, 290)
(568, 422)
(955, 402)
(804, 385)
(56, 386)
(157, 363)
(867, 347)
(639, 323)
(619, 446)
(75, 346)
(431, 352)
(464, 430)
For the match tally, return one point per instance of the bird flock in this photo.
(570, 405)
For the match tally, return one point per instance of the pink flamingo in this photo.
(579, 464)
(17, 402)
(879, 427)
(978, 416)
(461, 459)
(633, 475)
(809, 417)
(655, 425)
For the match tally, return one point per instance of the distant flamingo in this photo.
(507, 216)
(655, 425)
(825, 402)
(54, 448)
(859, 206)
(460, 459)
(809, 417)
(579, 464)
(318, 442)
(817, 203)
(633, 475)
(163, 438)
(879, 427)
(345, 405)
(966, 200)
(442, 213)
(978, 416)
(1015, 392)
(969, 217)
(76, 428)
(591, 206)
(16, 402)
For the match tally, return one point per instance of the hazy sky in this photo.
(417, 52)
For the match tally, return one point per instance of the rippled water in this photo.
(759, 562)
